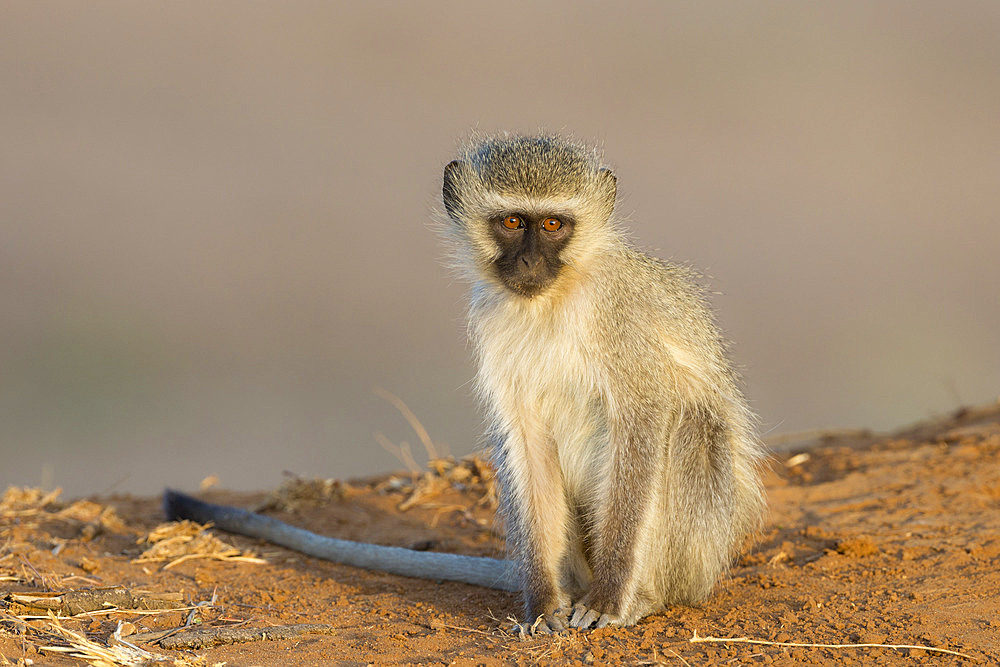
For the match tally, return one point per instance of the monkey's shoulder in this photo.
(639, 289)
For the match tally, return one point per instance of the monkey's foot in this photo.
(546, 624)
(585, 618)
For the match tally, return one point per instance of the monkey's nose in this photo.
(531, 262)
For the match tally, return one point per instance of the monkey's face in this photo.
(522, 211)
(530, 245)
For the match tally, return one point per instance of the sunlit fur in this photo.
(626, 453)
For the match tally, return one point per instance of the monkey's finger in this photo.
(608, 619)
(541, 628)
(557, 621)
(588, 618)
(579, 611)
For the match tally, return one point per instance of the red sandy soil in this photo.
(891, 539)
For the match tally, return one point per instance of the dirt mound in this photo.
(889, 540)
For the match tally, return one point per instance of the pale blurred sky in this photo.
(214, 217)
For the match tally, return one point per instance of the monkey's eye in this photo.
(552, 224)
(512, 222)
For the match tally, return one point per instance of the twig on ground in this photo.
(99, 601)
(746, 640)
(435, 624)
(679, 657)
(157, 635)
(209, 637)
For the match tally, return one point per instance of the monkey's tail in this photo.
(485, 572)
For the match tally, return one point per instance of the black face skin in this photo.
(529, 258)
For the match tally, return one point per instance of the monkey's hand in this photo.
(586, 616)
(546, 624)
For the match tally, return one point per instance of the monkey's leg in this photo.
(708, 510)
(537, 516)
(632, 482)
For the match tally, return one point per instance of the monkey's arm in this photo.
(637, 387)
(622, 529)
(485, 572)
(535, 515)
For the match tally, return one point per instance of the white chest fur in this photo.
(538, 379)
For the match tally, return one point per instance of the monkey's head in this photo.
(525, 208)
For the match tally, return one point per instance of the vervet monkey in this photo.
(625, 452)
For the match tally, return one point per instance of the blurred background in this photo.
(214, 217)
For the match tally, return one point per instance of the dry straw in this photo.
(747, 640)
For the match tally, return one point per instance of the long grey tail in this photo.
(485, 572)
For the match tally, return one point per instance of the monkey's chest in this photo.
(543, 392)
(535, 369)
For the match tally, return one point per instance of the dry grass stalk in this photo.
(41, 630)
(77, 645)
(30, 505)
(401, 452)
(436, 624)
(95, 654)
(679, 657)
(746, 640)
(20, 500)
(418, 428)
(180, 541)
(426, 487)
(655, 660)
(468, 474)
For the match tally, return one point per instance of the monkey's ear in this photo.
(609, 184)
(449, 190)
(609, 180)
